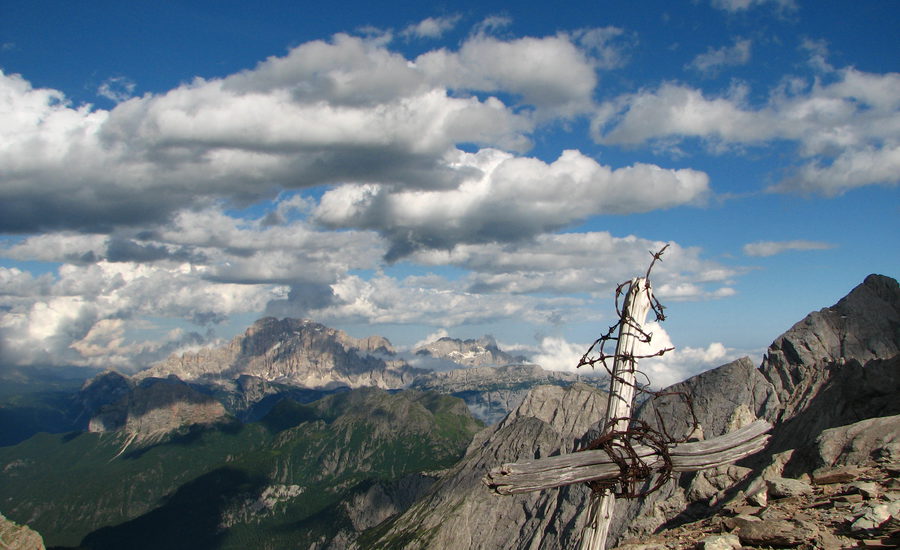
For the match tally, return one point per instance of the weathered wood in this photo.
(585, 458)
(635, 307)
(536, 475)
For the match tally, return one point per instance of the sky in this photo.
(171, 172)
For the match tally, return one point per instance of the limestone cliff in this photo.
(297, 352)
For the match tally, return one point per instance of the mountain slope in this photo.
(271, 484)
(461, 513)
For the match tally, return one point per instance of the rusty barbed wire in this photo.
(620, 444)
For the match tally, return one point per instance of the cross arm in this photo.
(556, 471)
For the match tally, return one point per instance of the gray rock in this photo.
(783, 487)
(858, 443)
(158, 406)
(863, 325)
(873, 515)
(776, 532)
(720, 542)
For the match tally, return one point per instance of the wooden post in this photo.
(621, 396)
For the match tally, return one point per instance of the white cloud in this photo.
(384, 299)
(47, 327)
(715, 59)
(431, 27)
(584, 263)
(771, 248)
(433, 337)
(549, 73)
(117, 89)
(847, 131)
(556, 353)
(507, 199)
(734, 6)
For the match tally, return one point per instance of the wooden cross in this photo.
(593, 465)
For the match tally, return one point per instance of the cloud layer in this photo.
(355, 179)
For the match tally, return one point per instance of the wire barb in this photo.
(619, 445)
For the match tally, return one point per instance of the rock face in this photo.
(469, 353)
(862, 326)
(460, 513)
(297, 352)
(156, 407)
(492, 392)
(18, 537)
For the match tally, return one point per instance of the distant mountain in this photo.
(301, 477)
(492, 392)
(296, 352)
(469, 353)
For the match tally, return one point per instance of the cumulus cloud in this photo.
(556, 353)
(508, 199)
(715, 59)
(591, 263)
(552, 73)
(847, 130)
(384, 299)
(431, 27)
(46, 327)
(347, 109)
(771, 248)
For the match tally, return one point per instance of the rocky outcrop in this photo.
(492, 392)
(18, 537)
(863, 326)
(469, 353)
(461, 513)
(293, 351)
(156, 407)
(836, 367)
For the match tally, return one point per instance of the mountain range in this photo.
(238, 455)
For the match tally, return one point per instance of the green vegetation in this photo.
(218, 487)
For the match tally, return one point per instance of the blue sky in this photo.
(170, 173)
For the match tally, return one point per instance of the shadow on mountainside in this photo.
(184, 437)
(189, 519)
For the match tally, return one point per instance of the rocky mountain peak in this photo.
(469, 353)
(294, 351)
(863, 325)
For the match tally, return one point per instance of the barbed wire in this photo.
(620, 444)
